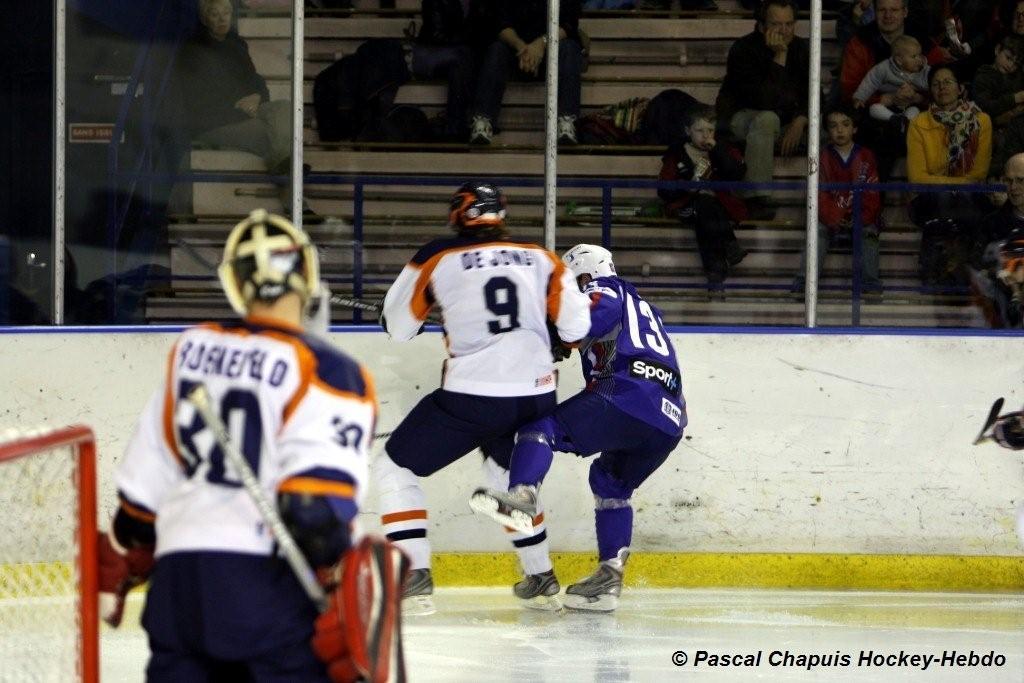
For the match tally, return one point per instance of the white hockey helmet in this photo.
(266, 257)
(589, 259)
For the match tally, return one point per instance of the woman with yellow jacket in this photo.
(949, 144)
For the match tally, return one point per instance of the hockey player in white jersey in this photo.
(500, 300)
(222, 604)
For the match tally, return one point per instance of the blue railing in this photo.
(607, 186)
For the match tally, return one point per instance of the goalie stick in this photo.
(993, 415)
(200, 398)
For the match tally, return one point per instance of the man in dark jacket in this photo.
(521, 47)
(995, 296)
(453, 33)
(226, 103)
(764, 95)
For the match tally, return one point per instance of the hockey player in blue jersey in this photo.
(223, 605)
(632, 412)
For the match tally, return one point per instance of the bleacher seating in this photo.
(636, 55)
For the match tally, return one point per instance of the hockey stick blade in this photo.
(993, 415)
(199, 397)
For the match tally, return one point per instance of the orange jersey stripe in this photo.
(168, 412)
(555, 287)
(317, 487)
(404, 516)
(135, 512)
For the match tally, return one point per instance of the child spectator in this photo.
(999, 86)
(844, 161)
(906, 65)
(711, 213)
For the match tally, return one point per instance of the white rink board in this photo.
(799, 442)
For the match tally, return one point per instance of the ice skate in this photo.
(539, 591)
(600, 591)
(514, 509)
(417, 595)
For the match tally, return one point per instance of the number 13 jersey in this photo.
(495, 298)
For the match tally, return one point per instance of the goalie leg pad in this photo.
(359, 636)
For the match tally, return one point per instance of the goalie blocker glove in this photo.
(120, 570)
(359, 636)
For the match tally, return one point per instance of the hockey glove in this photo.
(1009, 431)
(120, 570)
(559, 349)
(359, 636)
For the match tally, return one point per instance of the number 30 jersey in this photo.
(629, 359)
(301, 412)
(495, 298)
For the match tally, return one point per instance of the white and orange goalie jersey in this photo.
(495, 298)
(300, 411)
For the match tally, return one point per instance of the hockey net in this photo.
(48, 605)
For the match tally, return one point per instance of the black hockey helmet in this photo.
(476, 206)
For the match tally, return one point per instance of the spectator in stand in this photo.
(763, 98)
(844, 161)
(521, 47)
(226, 103)
(852, 15)
(999, 87)
(907, 65)
(711, 213)
(1008, 218)
(871, 45)
(1005, 223)
(949, 144)
(446, 46)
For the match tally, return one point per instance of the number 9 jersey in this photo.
(495, 297)
(300, 411)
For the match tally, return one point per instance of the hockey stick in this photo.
(370, 307)
(993, 415)
(200, 398)
(359, 304)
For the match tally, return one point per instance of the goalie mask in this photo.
(476, 207)
(589, 259)
(266, 257)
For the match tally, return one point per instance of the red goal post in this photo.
(49, 621)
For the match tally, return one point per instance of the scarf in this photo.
(963, 129)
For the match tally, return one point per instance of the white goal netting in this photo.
(48, 623)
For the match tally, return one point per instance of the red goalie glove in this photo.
(359, 636)
(120, 570)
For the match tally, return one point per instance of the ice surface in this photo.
(481, 635)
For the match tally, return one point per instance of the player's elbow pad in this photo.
(132, 531)
(320, 526)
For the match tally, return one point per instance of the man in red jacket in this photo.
(844, 161)
(871, 45)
